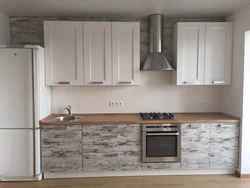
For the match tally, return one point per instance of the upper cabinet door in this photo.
(97, 53)
(218, 54)
(63, 52)
(189, 53)
(126, 53)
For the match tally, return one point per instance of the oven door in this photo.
(163, 146)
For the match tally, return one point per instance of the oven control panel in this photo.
(160, 127)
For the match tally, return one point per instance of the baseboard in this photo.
(21, 178)
(239, 175)
(49, 175)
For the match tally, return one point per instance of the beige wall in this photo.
(232, 96)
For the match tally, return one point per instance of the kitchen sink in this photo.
(68, 118)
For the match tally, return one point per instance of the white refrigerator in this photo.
(24, 100)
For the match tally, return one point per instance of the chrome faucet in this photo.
(68, 108)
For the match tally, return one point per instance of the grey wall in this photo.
(4, 29)
(29, 30)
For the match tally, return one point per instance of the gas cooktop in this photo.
(157, 116)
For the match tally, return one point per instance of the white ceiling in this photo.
(121, 8)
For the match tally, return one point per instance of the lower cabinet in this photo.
(111, 147)
(96, 148)
(195, 146)
(91, 148)
(224, 145)
(61, 148)
(209, 146)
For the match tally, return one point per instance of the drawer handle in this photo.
(161, 134)
(63, 82)
(97, 82)
(225, 125)
(217, 82)
(128, 82)
(194, 126)
(191, 83)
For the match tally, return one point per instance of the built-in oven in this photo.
(161, 143)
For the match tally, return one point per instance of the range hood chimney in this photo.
(155, 59)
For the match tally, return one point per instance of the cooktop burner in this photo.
(157, 116)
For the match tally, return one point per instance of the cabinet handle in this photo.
(97, 82)
(225, 125)
(217, 82)
(63, 82)
(191, 83)
(162, 134)
(125, 82)
(194, 126)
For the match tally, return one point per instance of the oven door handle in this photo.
(162, 134)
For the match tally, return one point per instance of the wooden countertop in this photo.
(133, 118)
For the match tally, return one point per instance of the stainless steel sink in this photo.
(68, 118)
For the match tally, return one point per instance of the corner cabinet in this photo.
(202, 53)
(92, 53)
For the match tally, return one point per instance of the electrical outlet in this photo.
(115, 103)
(201, 103)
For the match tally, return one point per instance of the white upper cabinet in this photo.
(202, 53)
(92, 53)
(97, 53)
(218, 54)
(189, 52)
(63, 53)
(126, 53)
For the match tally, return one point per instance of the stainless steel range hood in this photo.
(155, 59)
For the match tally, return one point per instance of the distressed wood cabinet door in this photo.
(111, 147)
(97, 53)
(218, 53)
(126, 53)
(61, 148)
(195, 146)
(224, 145)
(63, 53)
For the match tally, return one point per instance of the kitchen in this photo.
(154, 93)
